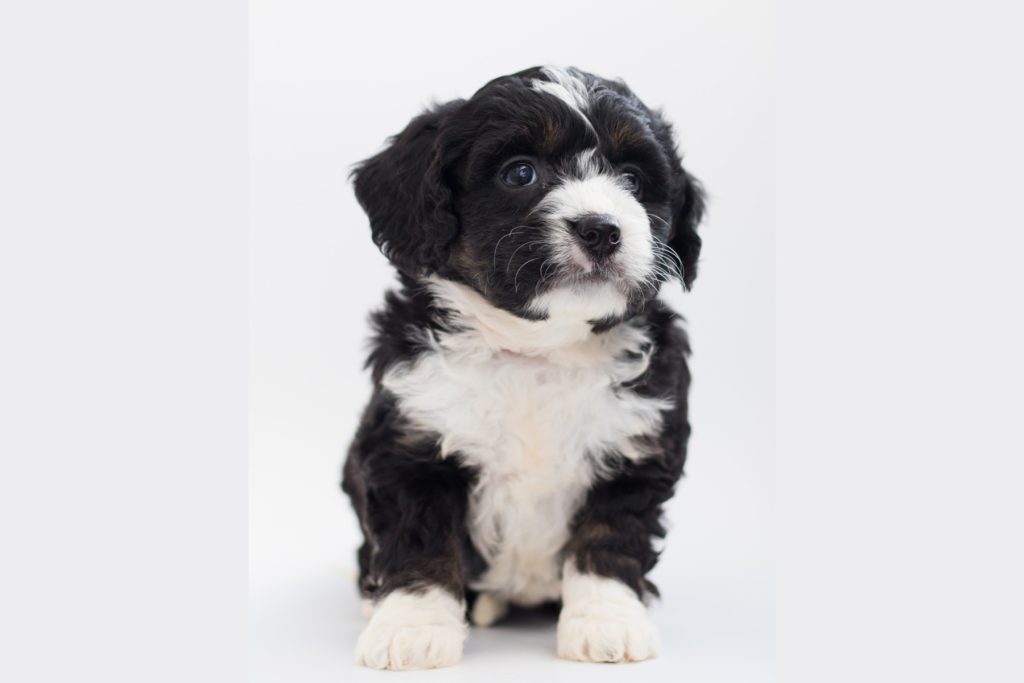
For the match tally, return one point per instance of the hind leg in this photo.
(488, 609)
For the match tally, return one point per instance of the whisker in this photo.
(547, 262)
(509, 264)
(494, 261)
(657, 218)
(515, 280)
(544, 264)
(661, 251)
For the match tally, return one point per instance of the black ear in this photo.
(405, 192)
(687, 202)
(687, 211)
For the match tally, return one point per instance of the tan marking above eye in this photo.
(626, 136)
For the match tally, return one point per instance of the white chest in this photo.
(538, 429)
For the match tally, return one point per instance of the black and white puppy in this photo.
(528, 417)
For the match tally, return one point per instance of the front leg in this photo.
(412, 511)
(422, 628)
(603, 617)
(602, 620)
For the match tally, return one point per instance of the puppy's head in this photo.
(548, 188)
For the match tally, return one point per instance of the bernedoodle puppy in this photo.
(529, 410)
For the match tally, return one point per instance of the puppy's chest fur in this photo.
(538, 428)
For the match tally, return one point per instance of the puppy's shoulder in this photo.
(402, 327)
(667, 374)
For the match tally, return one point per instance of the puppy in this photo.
(529, 410)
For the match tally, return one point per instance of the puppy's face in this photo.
(548, 190)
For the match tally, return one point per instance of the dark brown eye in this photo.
(519, 174)
(632, 181)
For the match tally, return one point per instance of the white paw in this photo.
(626, 638)
(414, 631)
(488, 609)
(602, 620)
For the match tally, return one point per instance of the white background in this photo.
(329, 81)
(123, 336)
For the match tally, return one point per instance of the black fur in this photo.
(613, 533)
(407, 195)
(435, 208)
(411, 504)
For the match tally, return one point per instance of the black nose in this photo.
(598, 233)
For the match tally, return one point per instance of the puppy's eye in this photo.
(632, 181)
(519, 174)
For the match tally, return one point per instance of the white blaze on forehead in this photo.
(567, 87)
(586, 163)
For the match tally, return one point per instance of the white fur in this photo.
(567, 87)
(533, 406)
(488, 609)
(587, 163)
(573, 308)
(598, 193)
(414, 631)
(603, 620)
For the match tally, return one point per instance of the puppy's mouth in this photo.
(583, 268)
(600, 273)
